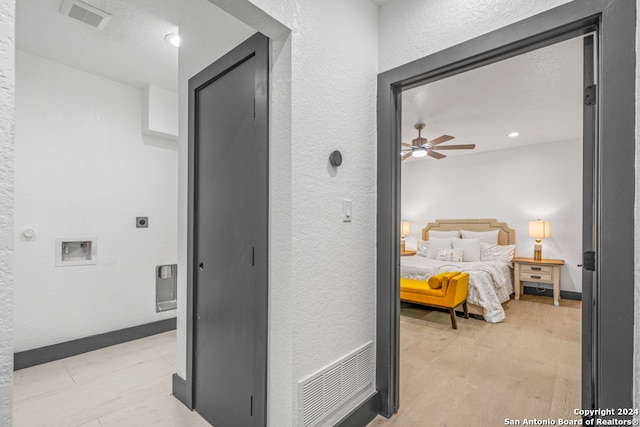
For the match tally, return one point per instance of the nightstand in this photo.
(407, 253)
(537, 271)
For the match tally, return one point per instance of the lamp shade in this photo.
(406, 228)
(539, 229)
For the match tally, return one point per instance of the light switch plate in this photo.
(346, 208)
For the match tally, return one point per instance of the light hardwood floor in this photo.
(477, 375)
(528, 366)
(120, 386)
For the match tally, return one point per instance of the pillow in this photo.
(436, 244)
(423, 248)
(471, 248)
(455, 255)
(489, 252)
(484, 236)
(443, 234)
(435, 282)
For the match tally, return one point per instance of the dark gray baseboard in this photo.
(179, 390)
(37, 356)
(362, 415)
(530, 290)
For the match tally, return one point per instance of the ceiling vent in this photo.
(83, 12)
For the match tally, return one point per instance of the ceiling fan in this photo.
(421, 147)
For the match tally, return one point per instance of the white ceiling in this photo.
(538, 94)
(131, 49)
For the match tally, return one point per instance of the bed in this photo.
(490, 278)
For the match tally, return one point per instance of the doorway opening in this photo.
(607, 310)
(481, 178)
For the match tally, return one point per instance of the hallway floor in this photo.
(125, 385)
(478, 375)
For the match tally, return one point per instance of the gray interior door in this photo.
(229, 239)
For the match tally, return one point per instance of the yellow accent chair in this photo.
(445, 290)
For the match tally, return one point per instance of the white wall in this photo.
(7, 145)
(331, 298)
(83, 168)
(516, 186)
(411, 29)
(160, 112)
(280, 392)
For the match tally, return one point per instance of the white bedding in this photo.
(489, 281)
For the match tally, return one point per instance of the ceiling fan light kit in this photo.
(421, 147)
(422, 152)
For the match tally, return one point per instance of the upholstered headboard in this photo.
(506, 235)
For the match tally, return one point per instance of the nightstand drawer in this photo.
(535, 277)
(537, 269)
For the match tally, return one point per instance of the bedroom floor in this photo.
(528, 366)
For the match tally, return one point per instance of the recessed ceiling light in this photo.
(513, 134)
(173, 39)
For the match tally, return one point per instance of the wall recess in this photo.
(76, 251)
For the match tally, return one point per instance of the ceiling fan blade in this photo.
(440, 140)
(404, 144)
(406, 156)
(456, 147)
(436, 155)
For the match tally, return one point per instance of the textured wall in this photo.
(331, 294)
(83, 169)
(411, 29)
(280, 370)
(7, 107)
(482, 181)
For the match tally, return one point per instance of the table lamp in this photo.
(538, 230)
(405, 227)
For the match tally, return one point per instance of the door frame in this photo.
(614, 169)
(256, 46)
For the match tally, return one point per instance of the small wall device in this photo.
(335, 158)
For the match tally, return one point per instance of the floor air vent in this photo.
(84, 12)
(326, 390)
